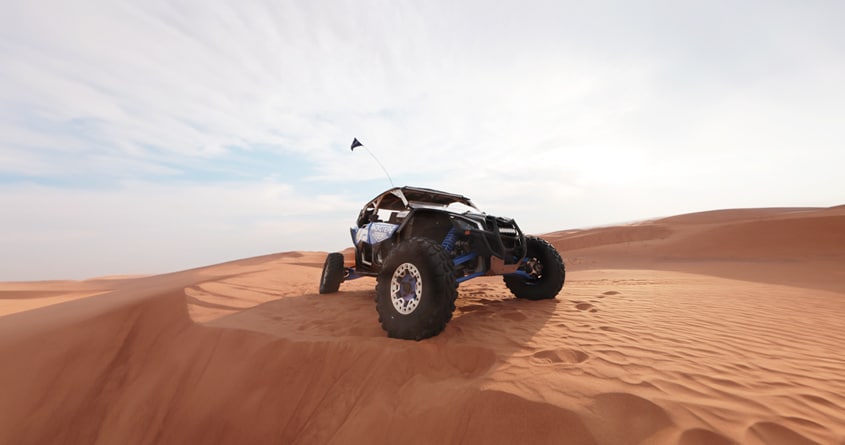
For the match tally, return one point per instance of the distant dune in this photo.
(709, 328)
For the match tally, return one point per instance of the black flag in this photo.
(357, 143)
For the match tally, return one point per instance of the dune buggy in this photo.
(421, 243)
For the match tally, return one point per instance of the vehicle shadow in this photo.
(489, 325)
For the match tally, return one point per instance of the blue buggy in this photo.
(420, 244)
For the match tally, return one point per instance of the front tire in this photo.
(333, 273)
(543, 272)
(416, 290)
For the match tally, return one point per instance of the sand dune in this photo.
(711, 328)
(800, 247)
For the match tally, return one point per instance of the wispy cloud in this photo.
(560, 113)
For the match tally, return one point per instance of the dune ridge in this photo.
(682, 330)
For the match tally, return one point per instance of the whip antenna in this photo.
(357, 143)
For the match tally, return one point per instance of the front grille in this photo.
(506, 239)
(508, 233)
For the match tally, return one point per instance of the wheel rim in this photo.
(406, 288)
(534, 268)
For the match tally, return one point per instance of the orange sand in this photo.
(710, 328)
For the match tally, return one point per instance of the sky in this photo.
(149, 136)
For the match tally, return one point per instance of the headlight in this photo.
(463, 224)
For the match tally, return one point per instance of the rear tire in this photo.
(333, 273)
(544, 264)
(416, 290)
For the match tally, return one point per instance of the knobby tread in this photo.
(332, 274)
(440, 290)
(554, 273)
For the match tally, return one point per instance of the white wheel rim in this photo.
(406, 288)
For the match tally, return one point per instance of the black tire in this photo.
(421, 270)
(547, 270)
(333, 273)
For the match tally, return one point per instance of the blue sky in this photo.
(152, 136)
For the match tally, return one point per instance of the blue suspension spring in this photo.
(449, 242)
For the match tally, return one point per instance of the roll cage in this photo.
(394, 205)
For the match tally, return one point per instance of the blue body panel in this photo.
(373, 233)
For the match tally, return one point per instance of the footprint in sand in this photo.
(773, 433)
(470, 360)
(701, 436)
(515, 316)
(562, 355)
(630, 416)
(585, 307)
(611, 292)
(472, 308)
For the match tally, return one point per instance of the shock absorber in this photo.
(449, 242)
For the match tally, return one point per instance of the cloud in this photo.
(561, 114)
(205, 81)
